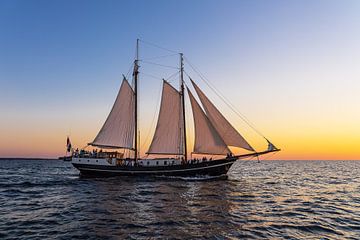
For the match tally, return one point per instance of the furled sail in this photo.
(118, 129)
(207, 139)
(168, 133)
(227, 132)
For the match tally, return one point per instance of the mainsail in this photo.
(118, 129)
(227, 132)
(168, 133)
(207, 139)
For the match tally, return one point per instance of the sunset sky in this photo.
(291, 67)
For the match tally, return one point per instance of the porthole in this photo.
(157, 162)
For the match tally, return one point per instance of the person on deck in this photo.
(76, 152)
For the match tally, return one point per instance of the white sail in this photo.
(227, 132)
(168, 133)
(207, 139)
(118, 129)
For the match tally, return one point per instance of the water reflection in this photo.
(154, 208)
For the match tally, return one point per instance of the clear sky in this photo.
(291, 67)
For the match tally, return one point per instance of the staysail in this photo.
(227, 132)
(118, 129)
(207, 139)
(168, 133)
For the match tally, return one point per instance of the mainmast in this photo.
(183, 102)
(136, 73)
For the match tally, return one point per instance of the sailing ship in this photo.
(119, 135)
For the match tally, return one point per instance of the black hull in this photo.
(210, 168)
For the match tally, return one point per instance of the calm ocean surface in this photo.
(266, 200)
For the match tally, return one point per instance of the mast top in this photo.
(137, 50)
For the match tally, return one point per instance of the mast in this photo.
(183, 102)
(136, 73)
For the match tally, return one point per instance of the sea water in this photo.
(46, 199)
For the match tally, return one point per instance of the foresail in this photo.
(207, 139)
(168, 133)
(228, 133)
(118, 129)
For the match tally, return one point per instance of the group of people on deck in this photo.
(198, 160)
(83, 153)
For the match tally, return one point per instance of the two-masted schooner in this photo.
(213, 134)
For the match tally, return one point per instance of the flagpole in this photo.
(66, 149)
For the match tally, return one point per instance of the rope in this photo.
(270, 155)
(160, 78)
(158, 64)
(128, 73)
(249, 159)
(157, 46)
(150, 75)
(172, 76)
(158, 57)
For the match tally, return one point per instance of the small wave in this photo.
(196, 178)
(27, 184)
(313, 228)
(20, 192)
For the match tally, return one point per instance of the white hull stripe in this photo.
(160, 171)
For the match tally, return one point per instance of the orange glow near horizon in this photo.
(310, 146)
(309, 136)
(313, 137)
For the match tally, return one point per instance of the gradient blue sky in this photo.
(292, 67)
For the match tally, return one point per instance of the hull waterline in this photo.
(209, 168)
